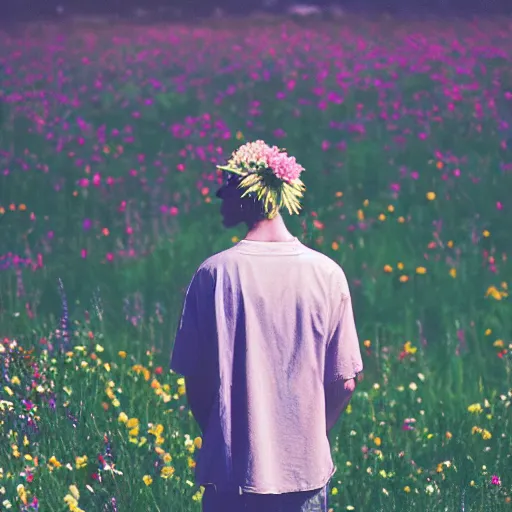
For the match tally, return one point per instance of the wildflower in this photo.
(377, 441)
(54, 462)
(413, 386)
(421, 270)
(388, 269)
(122, 354)
(486, 434)
(22, 493)
(147, 480)
(132, 423)
(431, 196)
(74, 491)
(475, 408)
(122, 418)
(453, 272)
(495, 480)
(81, 462)
(400, 265)
(334, 491)
(409, 349)
(167, 472)
(404, 279)
(486, 233)
(367, 343)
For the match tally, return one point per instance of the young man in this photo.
(268, 347)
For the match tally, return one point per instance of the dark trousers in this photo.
(303, 501)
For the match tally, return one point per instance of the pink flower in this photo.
(495, 480)
(283, 166)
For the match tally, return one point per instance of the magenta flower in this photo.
(495, 480)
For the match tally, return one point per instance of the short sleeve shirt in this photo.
(274, 322)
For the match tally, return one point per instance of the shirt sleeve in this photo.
(343, 355)
(189, 349)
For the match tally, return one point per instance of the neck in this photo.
(266, 230)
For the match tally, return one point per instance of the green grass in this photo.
(405, 133)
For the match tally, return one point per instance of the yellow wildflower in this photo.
(147, 479)
(81, 462)
(54, 462)
(132, 422)
(22, 493)
(475, 408)
(409, 349)
(486, 434)
(73, 489)
(167, 472)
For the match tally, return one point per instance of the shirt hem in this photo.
(248, 489)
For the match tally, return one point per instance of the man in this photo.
(268, 347)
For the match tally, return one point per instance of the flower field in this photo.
(109, 137)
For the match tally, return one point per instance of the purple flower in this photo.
(87, 224)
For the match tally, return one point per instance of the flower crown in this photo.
(268, 174)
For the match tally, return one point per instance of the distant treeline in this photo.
(33, 9)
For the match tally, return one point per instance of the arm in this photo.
(337, 397)
(343, 362)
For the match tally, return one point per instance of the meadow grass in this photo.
(109, 138)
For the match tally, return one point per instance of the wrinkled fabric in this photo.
(267, 325)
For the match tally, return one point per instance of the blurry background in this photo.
(35, 9)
